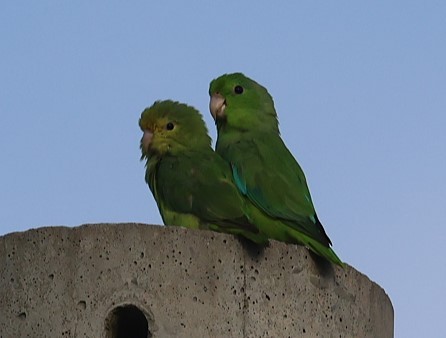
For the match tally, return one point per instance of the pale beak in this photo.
(147, 139)
(217, 105)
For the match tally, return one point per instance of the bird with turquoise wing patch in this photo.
(263, 168)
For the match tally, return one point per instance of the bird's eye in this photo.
(238, 89)
(170, 126)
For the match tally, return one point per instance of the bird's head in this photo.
(171, 127)
(241, 102)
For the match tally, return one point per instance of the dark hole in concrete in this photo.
(127, 321)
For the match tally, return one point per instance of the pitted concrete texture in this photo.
(121, 280)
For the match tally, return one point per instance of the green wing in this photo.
(266, 172)
(200, 184)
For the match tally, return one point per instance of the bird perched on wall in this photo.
(192, 185)
(263, 168)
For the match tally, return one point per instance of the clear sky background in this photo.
(360, 89)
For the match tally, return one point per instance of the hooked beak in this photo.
(146, 139)
(217, 105)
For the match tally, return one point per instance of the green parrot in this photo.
(192, 185)
(263, 168)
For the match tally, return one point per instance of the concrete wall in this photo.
(122, 280)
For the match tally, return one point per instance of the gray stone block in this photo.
(117, 280)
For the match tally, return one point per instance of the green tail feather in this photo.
(317, 248)
(258, 238)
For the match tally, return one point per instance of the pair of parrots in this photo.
(251, 185)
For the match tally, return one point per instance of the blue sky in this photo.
(359, 88)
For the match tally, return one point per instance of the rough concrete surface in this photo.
(122, 280)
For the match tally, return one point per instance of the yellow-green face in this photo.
(158, 133)
(171, 127)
